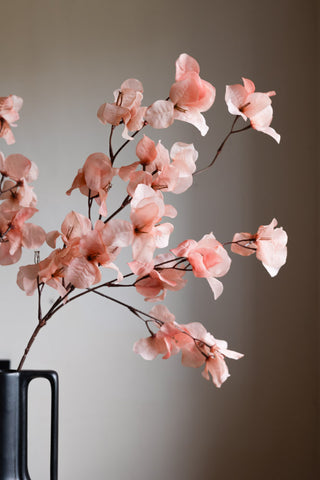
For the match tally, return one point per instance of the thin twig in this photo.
(231, 132)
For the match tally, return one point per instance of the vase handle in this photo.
(52, 377)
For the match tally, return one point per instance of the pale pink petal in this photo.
(27, 278)
(183, 249)
(185, 63)
(132, 83)
(75, 225)
(191, 356)
(256, 102)
(118, 233)
(33, 236)
(160, 114)
(162, 313)
(82, 274)
(230, 353)
(248, 85)
(6, 133)
(17, 166)
(146, 150)
(98, 171)
(143, 247)
(186, 91)
(127, 170)
(170, 211)
(78, 182)
(136, 121)
(193, 116)
(261, 122)
(6, 256)
(149, 347)
(218, 369)
(141, 268)
(138, 178)
(216, 286)
(162, 234)
(125, 133)
(51, 238)
(113, 114)
(33, 173)
(236, 98)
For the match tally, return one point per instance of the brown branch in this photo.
(231, 132)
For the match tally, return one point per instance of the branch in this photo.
(231, 132)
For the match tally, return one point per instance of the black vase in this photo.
(14, 425)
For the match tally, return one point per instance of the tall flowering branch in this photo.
(86, 246)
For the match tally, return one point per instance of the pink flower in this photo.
(177, 176)
(189, 96)
(94, 178)
(244, 101)
(162, 342)
(126, 108)
(215, 363)
(269, 244)
(196, 344)
(146, 150)
(9, 108)
(160, 281)
(21, 171)
(147, 210)
(15, 233)
(208, 259)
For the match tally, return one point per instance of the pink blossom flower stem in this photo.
(231, 132)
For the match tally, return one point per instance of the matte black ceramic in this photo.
(14, 423)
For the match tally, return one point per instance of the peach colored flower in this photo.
(146, 150)
(94, 178)
(20, 170)
(215, 364)
(160, 281)
(9, 108)
(244, 101)
(208, 259)
(198, 346)
(15, 233)
(126, 108)
(147, 210)
(176, 177)
(162, 342)
(269, 244)
(189, 96)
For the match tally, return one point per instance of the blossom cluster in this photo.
(84, 246)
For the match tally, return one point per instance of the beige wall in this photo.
(123, 418)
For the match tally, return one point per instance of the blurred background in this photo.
(122, 417)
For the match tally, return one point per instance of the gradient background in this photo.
(121, 417)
